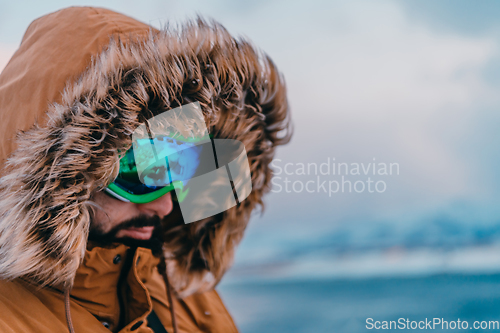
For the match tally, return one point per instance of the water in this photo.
(344, 305)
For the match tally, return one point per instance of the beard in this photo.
(155, 243)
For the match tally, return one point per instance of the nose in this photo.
(161, 206)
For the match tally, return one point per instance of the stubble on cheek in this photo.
(100, 223)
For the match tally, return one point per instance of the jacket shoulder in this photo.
(210, 311)
(22, 311)
(25, 308)
(200, 312)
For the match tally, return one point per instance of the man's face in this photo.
(127, 222)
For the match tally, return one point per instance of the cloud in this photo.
(367, 82)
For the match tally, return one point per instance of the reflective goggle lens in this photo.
(151, 165)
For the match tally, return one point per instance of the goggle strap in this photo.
(121, 194)
(116, 195)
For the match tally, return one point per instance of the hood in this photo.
(82, 80)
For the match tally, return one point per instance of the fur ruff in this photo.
(46, 192)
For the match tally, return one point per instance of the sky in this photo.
(412, 83)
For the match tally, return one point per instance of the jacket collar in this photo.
(106, 273)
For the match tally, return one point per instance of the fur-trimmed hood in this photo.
(82, 80)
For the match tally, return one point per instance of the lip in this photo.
(143, 233)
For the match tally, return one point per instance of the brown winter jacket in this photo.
(81, 81)
(95, 304)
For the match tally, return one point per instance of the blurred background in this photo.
(385, 203)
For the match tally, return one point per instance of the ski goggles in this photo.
(208, 175)
(147, 174)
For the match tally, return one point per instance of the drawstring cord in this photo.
(162, 267)
(67, 308)
(170, 301)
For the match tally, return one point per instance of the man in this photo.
(77, 255)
